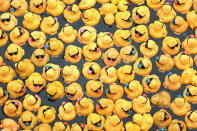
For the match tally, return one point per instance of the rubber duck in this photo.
(91, 17)
(72, 13)
(141, 104)
(68, 34)
(55, 90)
(129, 126)
(74, 91)
(19, 36)
(172, 81)
(123, 20)
(162, 118)
(183, 61)
(35, 82)
(161, 99)
(151, 83)
(3, 96)
(31, 102)
(49, 25)
(187, 75)
(84, 5)
(166, 13)
(3, 38)
(105, 40)
(102, 1)
(1, 60)
(190, 94)
(158, 29)
(189, 44)
(39, 57)
(37, 39)
(195, 5)
(114, 91)
(177, 125)
(194, 80)
(105, 106)
(138, 2)
(5, 5)
(141, 15)
(79, 127)
(164, 62)
(91, 70)
(179, 106)
(31, 21)
(108, 75)
(145, 121)
(155, 4)
(171, 45)
(133, 89)
(37, 6)
(128, 54)
(60, 126)
(14, 53)
(123, 108)
(73, 54)
(142, 66)
(139, 33)
(24, 68)
(91, 52)
(123, 5)
(54, 47)
(113, 123)
(46, 114)
(12, 108)
(94, 88)
(95, 122)
(191, 17)
(86, 34)
(149, 48)
(182, 6)
(69, 2)
(51, 72)
(178, 25)
(190, 119)
(8, 124)
(18, 7)
(111, 57)
(70, 73)
(55, 7)
(122, 38)
(16, 88)
(66, 111)
(108, 10)
(84, 106)
(27, 120)
(6, 73)
(125, 74)
(42, 127)
(8, 21)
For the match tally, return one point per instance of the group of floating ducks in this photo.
(114, 11)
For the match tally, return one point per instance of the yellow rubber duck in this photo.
(104, 106)
(31, 102)
(49, 25)
(60, 126)
(128, 54)
(108, 75)
(183, 61)
(3, 96)
(73, 54)
(66, 111)
(103, 1)
(123, 5)
(72, 13)
(94, 88)
(86, 34)
(3, 38)
(74, 91)
(190, 94)
(84, 106)
(91, 70)
(70, 73)
(141, 15)
(18, 7)
(125, 74)
(16, 88)
(37, 6)
(84, 4)
(111, 57)
(155, 4)
(55, 7)
(5, 5)
(105, 40)
(130, 126)
(79, 127)
(69, 1)
(46, 114)
(91, 17)
(172, 81)
(178, 25)
(164, 62)
(37, 39)
(6, 73)
(141, 104)
(187, 75)
(177, 125)
(123, 19)
(19, 36)
(114, 91)
(138, 2)
(133, 89)
(31, 21)
(95, 122)
(191, 119)
(51, 72)
(149, 48)
(158, 29)
(113, 123)
(161, 99)
(123, 108)
(9, 124)
(191, 17)
(122, 38)
(43, 126)
(151, 83)
(55, 90)
(68, 34)
(182, 6)
(12, 108)
(189, 44)
(8, 21)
